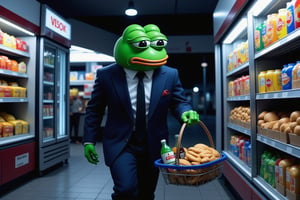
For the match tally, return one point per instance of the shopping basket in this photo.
(192, 175)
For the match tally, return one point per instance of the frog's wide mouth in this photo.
(147, 62)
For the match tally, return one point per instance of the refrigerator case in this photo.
(242, 172)
(53, 101)
(18, 151)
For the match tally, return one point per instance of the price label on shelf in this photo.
(289, 149)
(284, 94)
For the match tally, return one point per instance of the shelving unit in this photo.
(18, 152)
(274, 56)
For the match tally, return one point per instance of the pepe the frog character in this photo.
(131, 145)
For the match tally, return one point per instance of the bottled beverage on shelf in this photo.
(277, 80)
(247, 151)
(166, 152)
(264, 34)
(262, 82)
(286, 76)
(290, 22)
(293, 179)
(272, 28)
(281, 27)
(296, 76)
(259, 45)
(269, 81)
(297, 13)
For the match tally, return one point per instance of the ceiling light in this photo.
(236, 31)
(131, 11)
(259, 6)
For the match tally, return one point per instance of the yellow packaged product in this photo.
(262, 82)
(25, 126)
(269, 81)
(16, 91)
(271, 28)
(230, 89)
(281, 26)
(296, 76)
(23, 91)
(7, 117)
(17, 126)
(277, 80)
(22, 67)
(7, 129)
(230, 65)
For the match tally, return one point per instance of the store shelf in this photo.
(239, 129)
(48, 83)
(268, 190)
(81, 82)
(289, 43)
(279, 95)
(13, 52)
(13, 100)
(239, 98)
(48, 117)
(13, 74)
(239, 164)
(15, 138)
(290, 149)
(48, 65)
(244, 67)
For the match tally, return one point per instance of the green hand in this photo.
(190, 117)
(90, 153)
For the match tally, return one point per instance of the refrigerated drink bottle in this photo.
(167, 155)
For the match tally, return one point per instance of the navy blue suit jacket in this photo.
(111, 91)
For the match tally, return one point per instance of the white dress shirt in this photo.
(132, 82)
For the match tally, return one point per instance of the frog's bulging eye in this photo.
(141, 44)
(159, 43)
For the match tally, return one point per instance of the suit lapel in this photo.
(120, 84)
(158, 83)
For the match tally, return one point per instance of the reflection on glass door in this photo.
(61, 106)
(48, 94)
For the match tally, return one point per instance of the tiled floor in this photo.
(79, 180)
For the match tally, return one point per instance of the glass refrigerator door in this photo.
(61, 100)
(48, 124)
(54, 93)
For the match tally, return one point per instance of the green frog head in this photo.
(141, 48)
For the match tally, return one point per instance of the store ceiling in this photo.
(174, 17)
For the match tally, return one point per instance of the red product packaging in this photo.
(21, 45)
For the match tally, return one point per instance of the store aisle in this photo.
(79, 180)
